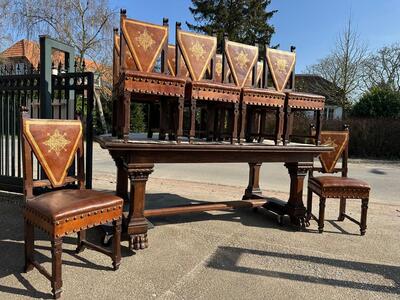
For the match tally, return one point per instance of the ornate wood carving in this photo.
(171, 63)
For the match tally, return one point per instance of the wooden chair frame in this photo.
(364, 196)
(149, 87)
(56, 241)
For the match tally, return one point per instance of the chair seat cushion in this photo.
(65, 211)
(153, 83)
(263, 97)
(336, 187)
(211, 91)
(305, 101)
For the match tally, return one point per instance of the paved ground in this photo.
(218, 255)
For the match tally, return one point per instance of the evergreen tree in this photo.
(244, 21)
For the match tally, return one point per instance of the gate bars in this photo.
(60, 93)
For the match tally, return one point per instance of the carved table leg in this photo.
(136, 222)
(295, 207)
(253, 189)
(122, 177)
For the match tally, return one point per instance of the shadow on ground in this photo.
(228, 259)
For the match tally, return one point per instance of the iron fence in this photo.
(72, 94)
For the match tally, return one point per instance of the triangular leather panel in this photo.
(54, 143)
(241, 59)
(197, 50)
(184, 72)
(145, 42)
(336, 139)
(281, 64)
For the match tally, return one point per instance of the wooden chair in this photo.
(281, 66)
(62, 211)
(198, 52)
(336, 187)
(141, 44)
(257, 101)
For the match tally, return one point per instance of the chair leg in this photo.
(342, 209)
(309, 204)
(192, 120)
(56, 281)
(321, 217)
(81, 237)
(29, 245)
(364, 208)
(179, 131)
(235, 119)
(263, 117)
(117, 244)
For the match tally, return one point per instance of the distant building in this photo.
(25, 53)
(315, 84)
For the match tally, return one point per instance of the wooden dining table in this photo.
(135, 159)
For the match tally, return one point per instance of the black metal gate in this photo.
(71, 93)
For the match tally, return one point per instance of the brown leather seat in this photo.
(63, 204)
(334, 186)
(334, 181)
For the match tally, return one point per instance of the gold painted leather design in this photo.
(336, 139)
(184, 72)
(54, 143)
(145, 42)
(241, 59)
(197, 51)
(281, 65)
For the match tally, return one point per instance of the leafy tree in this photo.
(245, 21)
(380, 101)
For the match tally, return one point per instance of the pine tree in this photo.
(244, 21)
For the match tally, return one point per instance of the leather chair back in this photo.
(55, 144)
(280, 65)
(145, 43)
(242, 61)
(339, 140)
(198, 52)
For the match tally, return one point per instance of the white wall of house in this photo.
(331, 112)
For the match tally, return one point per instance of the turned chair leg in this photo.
(56, 281)
(81, 238)
(192, 130)
(117, 244)
(29, 245)
(342, 209)
(364, 208)
(321, 217)
(309, 204)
